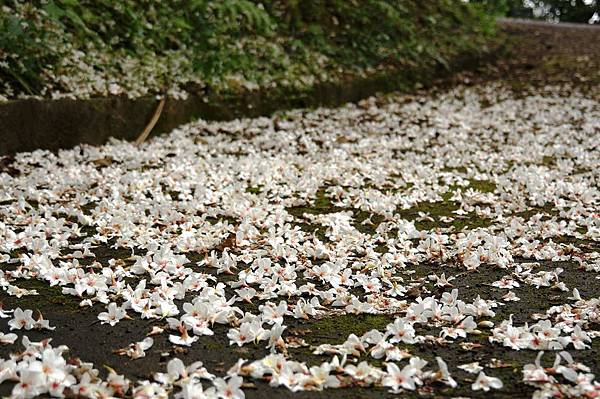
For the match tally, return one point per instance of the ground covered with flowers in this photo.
(437, 244)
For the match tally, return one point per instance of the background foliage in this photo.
(83, 48)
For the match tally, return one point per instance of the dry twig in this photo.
(142, 137)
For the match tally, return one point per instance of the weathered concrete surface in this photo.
(544, 24)
(26, 125)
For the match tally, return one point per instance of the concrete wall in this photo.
(26, 125)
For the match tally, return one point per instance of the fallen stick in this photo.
(142, 137)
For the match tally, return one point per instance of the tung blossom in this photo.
(485, 383)
(113, 315)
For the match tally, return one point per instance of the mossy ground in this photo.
(87, 338)
(79, 327)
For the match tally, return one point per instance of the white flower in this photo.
(274, 314)
(397, 379)
(184, 339)
(8, 338)
(535, 372)
(275, 337)
(8, 370)
(246, 294)
(248, 332)
(510, 296)
(362, 372)
(193, 389)
(472, 368)
(4, 313)
(483, 382)
(31, 384)
(22, 319)
(41, 324)
(443, 374)
(401, 331)
(118, 384)
(113, 316)
(321, 378)
(177, 371)
(229, 389)
(137, 350)
(578, 338)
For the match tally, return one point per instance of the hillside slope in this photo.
(82, 49)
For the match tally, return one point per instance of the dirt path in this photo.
(541, 53)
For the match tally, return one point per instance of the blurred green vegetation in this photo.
(62, 46)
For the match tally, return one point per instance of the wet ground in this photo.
(80, 330)
(87, 339)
